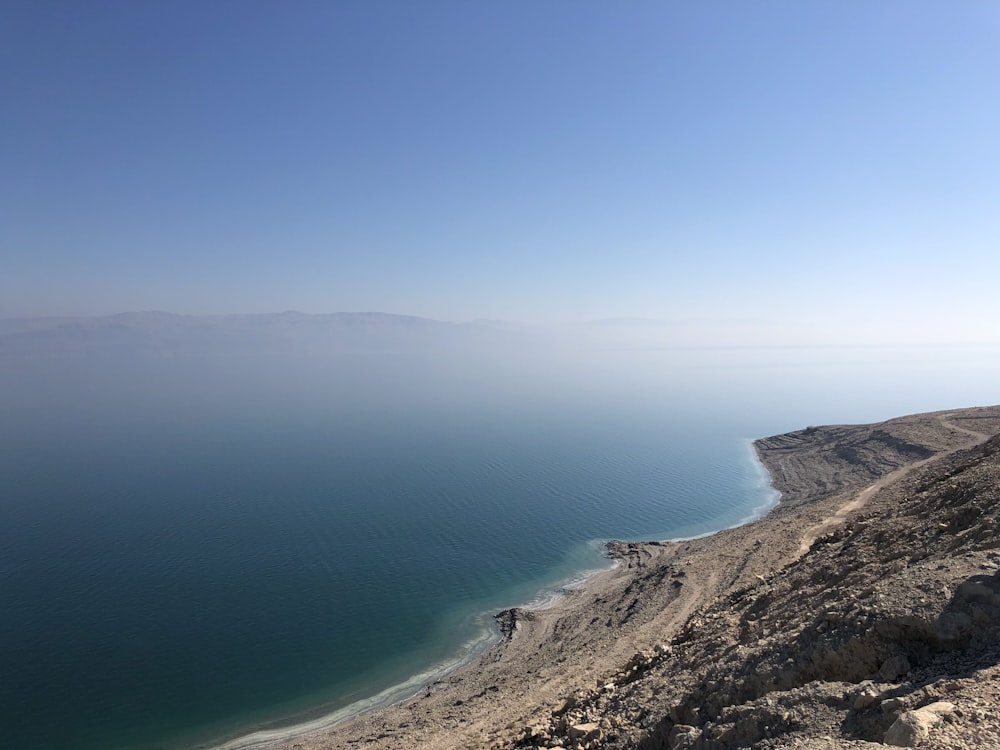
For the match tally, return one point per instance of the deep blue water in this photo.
(192, 548)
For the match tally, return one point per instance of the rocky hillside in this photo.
(884, 629)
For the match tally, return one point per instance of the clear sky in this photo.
(827, 169)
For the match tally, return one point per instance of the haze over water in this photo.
(194, 546)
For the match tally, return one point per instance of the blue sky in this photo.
(826, 170)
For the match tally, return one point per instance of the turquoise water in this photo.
(195, 548)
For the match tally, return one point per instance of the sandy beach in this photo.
(623, 661)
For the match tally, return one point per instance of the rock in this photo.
(894, 667)
(535, 732)
(588, 732)
(508, 622)
(568, 705)
(681, 737)
(865, 698)
(892, 705)
(913, 727)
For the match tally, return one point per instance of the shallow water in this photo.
(192, 548)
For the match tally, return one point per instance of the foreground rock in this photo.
(864, 610)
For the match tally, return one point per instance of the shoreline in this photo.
(492, 636)
(556, 671)
(391, 696)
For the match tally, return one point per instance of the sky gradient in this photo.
(822, 171)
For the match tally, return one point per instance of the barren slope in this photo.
(895, 608)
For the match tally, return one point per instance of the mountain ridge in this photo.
(159, 333)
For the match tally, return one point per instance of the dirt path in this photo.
(858, 501)
(698, 593)
(979, 437)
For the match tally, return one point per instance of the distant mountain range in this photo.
(167, 334)
(162, 334)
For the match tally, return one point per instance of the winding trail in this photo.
(861, 499)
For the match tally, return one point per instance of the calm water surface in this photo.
(192, 548)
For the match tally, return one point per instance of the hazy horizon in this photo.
(323, 332)
(775, 172)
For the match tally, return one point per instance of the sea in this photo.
(194, 549)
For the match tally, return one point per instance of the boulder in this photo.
(589, 732)
(913, 727)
